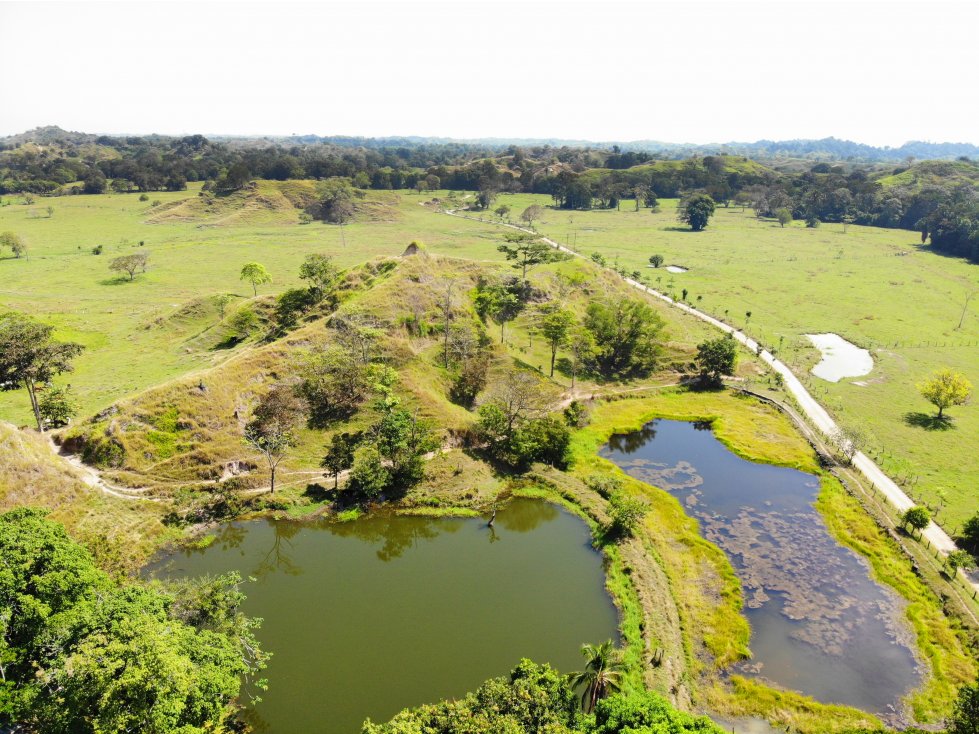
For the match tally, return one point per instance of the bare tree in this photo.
(446, 302)
(272, 430)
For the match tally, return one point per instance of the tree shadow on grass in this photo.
(118, 280)
(928, 422)
(679, 229)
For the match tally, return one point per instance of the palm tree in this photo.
(602, 674)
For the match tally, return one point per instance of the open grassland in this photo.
(878, 288)
(163, 324)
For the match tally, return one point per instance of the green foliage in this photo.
(321, 274)
(14, 241)
(256, 274)
(784, 216)
(959, 559)
(334, 382)
(648, 713)
(335, 200)
(555, 324)
(716, 358)
(655, 260)
(626, 334)
(29, 356)
(576, 414)
(916, 517)
(469, 382)
(340, 454)
(946, 388)
(965, 716)
(130, 264)
(528, 251)
(57, 406)
(368, 475)
(696, 211)
(80, 652)
(970, 532)
(533, 698)
(244, 322)
(626, 512)
(602, 675)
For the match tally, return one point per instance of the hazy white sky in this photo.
(877, 72)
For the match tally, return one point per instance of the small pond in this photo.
(820, 624)
(368, 617)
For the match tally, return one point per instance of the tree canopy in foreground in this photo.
(80, 652)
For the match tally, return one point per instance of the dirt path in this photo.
(93, 477)
(816, 414)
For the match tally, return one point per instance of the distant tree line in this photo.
(944, 207)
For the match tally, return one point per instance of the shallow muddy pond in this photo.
(819, 623)
(368, 617)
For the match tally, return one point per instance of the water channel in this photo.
(368, 617)
(820, 624)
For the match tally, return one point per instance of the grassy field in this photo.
(161, 325)
(875, 287)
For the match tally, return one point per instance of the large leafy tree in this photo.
(31, 357)
(321, 274)
(81, 653)
(625, 333)
(696, 210)
(944, 389)
(716, 358)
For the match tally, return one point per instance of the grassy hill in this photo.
(933, 173)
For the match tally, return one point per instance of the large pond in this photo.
(819, 623)
(368, 617)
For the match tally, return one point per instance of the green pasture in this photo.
(876, 287)
(879, 288)
(140, 333)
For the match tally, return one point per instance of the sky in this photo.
(873, 71)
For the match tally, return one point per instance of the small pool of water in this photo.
(819, 623)
(369, 617)
(840, 358)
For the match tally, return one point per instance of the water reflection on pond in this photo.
(368, 617)
(819, 623)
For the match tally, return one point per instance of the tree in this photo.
(696, 210)
(335, 200)
(626, 512)
(716, 358)
(340, 454)
(116, 655)
(848, 440)
(581, 347)
(641, 193)
(916, 517)
(321, 274)
(256, 274)
(528, 251)
(29, 356)
(965, 714)
(57, 406)
(602, 674)
(333, 381)
(784, 216)
(368, 475)
(502, 211)
(655, 260)
(403, 440)
(503, 307)
(14, 242)
(272, 430)
(625, 333)
(531, 214)
(433, 182)
(130, 264)
(555, 324)
(944, 389)
(222, 300)
(959, 559)
(970, 532)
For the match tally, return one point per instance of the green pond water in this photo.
(368, 617)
